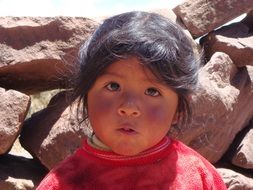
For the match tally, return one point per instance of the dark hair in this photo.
(157, 42)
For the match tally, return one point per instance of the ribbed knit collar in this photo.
(153, 154)
(97, 144)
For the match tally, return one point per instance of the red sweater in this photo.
(168, 165)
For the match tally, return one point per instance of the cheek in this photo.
(98, 107)
(157, 114)
(160, 115)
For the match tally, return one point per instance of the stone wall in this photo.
(39, 54)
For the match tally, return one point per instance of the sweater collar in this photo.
(94, 142)
(153, 154)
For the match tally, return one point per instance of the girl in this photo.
(137, 72)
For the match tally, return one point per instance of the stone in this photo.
(39, 53)
(248, 20)
(53, 133)
(202, 16)
(20, 173)
(168, 13)
(34, 58)
(236, 40)
(222, 106)
(18, 150)
(13, 109)
(243, 156)
(235, 180)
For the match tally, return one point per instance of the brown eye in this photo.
(113, 86)
(152, 92)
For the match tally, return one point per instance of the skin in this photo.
(129, 110)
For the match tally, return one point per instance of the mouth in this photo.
(128, 130)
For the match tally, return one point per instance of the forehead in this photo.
(131, 66)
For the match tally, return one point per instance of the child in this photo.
(137, 72)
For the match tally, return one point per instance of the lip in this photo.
(127, 129)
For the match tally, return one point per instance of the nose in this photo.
(129, 107)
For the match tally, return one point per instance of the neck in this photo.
(97, 144)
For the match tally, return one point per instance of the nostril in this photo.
(128, 112)
(122, 112)
(136, 113)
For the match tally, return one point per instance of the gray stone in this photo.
(235, 180)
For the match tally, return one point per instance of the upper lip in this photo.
(127, 126)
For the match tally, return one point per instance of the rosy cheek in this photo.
(99, 106)
(159, 115)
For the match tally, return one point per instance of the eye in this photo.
(113, 86)
(152, 92)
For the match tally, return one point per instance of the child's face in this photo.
(128, 109)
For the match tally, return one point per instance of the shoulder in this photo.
(50, 182)
(189, 157)
(185, 152)
(63, 174)
(190, 164)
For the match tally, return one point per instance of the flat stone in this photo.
(236, 40)
(201, 16)
(39, 53)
